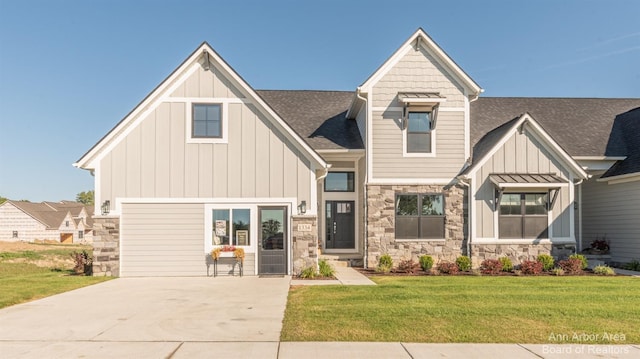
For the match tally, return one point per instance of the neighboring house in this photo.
(413, 162)
(65, 222)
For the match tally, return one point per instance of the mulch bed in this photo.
(372, 273)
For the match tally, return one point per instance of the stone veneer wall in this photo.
(519, 252)
(305, 243)
(106, 246)
(381, 224)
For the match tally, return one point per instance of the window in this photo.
(66, 223)
(14, 234)
(80, 234)
(419, 216)
(523, 215)
(339, 182)
(206, 121)
(240, 231)
(419, 132)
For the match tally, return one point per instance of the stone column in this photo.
(305, 242)
(106, 246)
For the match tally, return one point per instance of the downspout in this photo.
(579, 183)
(464, 182)
(364, 184)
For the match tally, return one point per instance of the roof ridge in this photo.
(283, 90)
(559, 98)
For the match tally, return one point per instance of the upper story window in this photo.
(419, 132)
(206, 121)
(339, 182)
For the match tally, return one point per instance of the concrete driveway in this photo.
(149, 317)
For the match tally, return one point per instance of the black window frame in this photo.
(429, 226)
(429, 132)
(193, 120)
(351, 178)
(527, 221)
(14, 234)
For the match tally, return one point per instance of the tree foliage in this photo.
(2, 200)
(86, 197)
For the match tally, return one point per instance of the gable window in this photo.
(66, 223)
(339, 182)
(419, 216)
(419, 128)
(523, 215)
(206, 121)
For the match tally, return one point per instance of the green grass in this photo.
(467, 309)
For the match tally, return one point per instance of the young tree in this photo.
(2, 200)
(85, 197)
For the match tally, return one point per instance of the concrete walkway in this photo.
(344, 276)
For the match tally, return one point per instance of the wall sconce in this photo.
(105, 207)
(303, 207)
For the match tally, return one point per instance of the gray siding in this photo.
(612, 211)
(522, 153)
(361, 120)
(155, 161)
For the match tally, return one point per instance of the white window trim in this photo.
(208, 225)
(224, 108)
(341, 196)
(496, 224)
(418, 154)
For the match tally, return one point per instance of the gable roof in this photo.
(165, 88)
(625, 137)
(51, 214)
(318, 116)
(489, 144)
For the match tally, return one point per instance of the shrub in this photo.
(582, 258)
(385, 263)
(83, 262)
(507, 266)
(491, 266)
(426, 262)
(634, 265)
(547, 262)
(308, 273)
(408, 266)
(326, 270)
(447, 268)
(557, 271)
(531, 267)
(603, 270)
(571, 265)
(463, 263)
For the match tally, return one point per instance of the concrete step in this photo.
(336, 263)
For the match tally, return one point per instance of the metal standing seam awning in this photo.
(430, 99)
(549, 181)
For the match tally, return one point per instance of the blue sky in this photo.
(70, 70)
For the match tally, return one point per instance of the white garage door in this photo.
(162, 239)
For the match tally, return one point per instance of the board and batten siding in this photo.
(155, 160)
(522, 153)
(612, 211)
(388, 160)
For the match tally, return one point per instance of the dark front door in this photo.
(272, 250)
(340, 224)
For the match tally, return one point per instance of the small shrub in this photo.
(326, 270)
(582, 258)
(634, 265)
(308, 273)
(547, 262)
(557, 271)
(507, 266)
(426, 262)
(83, 262)
(385, 263)
(531, 267)
(447, 268)
(463, 263)
(408, 266)
(491, 266)
(571, 265)
(603, 270)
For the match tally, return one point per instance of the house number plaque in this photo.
(304, 227)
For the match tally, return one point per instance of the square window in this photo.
(339, 182)
(206, 121)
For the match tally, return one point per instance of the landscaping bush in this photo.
(308, 273)
(326, 270)
(83, 262)
(491, 266)
(582, 259)
(603, 270)
(547, 262)
(507, 266)
(463, 263)
(557, 271)
(426, 262)
(447, 268)
(571, 265)
(531, 267)
(634, 265)
(408, 266)
(385, 263)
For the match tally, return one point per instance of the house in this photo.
(64, 222)
(414, 161)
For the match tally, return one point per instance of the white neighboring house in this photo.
(64, 222)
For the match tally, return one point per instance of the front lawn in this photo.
(469, 309)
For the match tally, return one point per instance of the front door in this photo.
(340, 224)
(272, 248)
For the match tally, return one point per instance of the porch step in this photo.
(334, 261)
